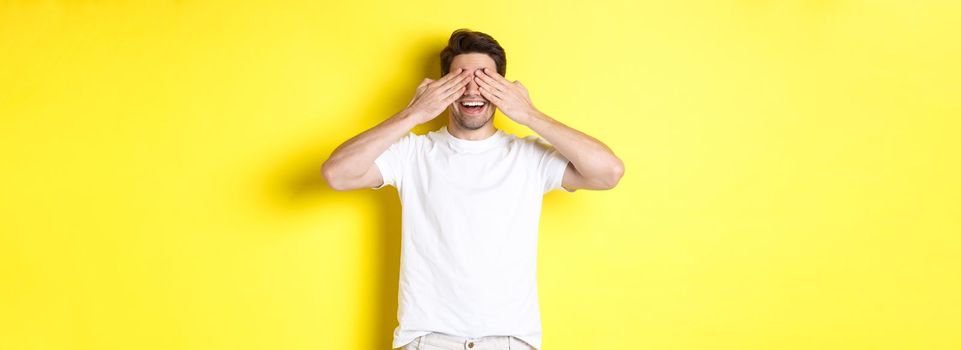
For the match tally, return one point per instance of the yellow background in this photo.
(792, 171)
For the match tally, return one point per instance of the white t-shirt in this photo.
(471, 210)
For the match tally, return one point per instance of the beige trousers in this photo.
(442, 341)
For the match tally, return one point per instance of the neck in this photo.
(467, 134)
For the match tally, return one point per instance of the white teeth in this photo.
(472, 104)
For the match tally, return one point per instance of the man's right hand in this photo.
(433, 97)
(352, 164)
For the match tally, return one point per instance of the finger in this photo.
(450, 75)
(490, 95)
(454, 83)
(420, 89)
(490, 82)
(493, 74)
(425, 82)
(457, 82)
(455, 95)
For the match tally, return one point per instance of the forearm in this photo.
(592, 158)
(355, 156)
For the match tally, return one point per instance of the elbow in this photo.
(614, 175)
(330, 176)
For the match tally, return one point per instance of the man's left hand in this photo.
(510, 97)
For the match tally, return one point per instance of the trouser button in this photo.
(470, 345)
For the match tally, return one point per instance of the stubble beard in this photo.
(471, 123)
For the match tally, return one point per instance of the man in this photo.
(471, 197)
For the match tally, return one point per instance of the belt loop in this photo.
(510, 340)
(420, 342)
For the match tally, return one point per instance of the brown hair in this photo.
(468, 41)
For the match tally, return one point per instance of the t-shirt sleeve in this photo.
(551, 164)
(393, 161)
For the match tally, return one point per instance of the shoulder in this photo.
(532, 140)
(534, 143)
(411, 139)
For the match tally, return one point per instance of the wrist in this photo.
(410, 116)
(532, 116)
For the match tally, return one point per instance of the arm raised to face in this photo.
(592, 165)
(351, 165)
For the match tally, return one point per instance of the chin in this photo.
(465, 123)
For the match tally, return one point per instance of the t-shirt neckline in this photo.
(472, 146)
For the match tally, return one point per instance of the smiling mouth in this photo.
(473, 107)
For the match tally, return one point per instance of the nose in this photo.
(472, 88)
